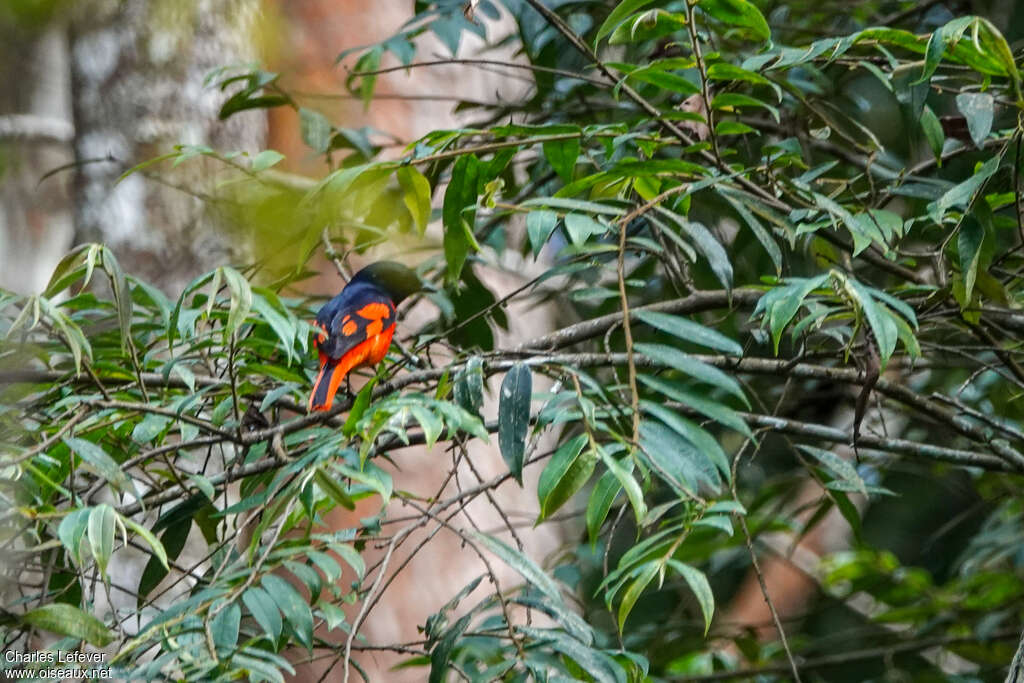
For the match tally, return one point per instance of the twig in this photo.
(50, 440)
(485, 62)
(757, 568)
(880, 652)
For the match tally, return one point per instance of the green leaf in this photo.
(333, 489)
(689, 331)
(677, 460)
(737, 13)
(522, 564)
(597, 665)
(625, 477)
(272, 396)
(416, 195)
(564, 475)
(296, 611)
(431, 424)
(359, 406)
(675, 359)
(351, 557)
(264, 610)
(850, 513)
(459, 214)
(601, 499)
(325, 563)
(720, 522)
(714, 252)
(266, 159)
(241, 298)
(315, 129)
(204, 485)
(937, 44)
(260, 670)
(71, 333)
(284, 328)
(762, 235)
(469, 386)
(122, 297)
(102, 519)
(692, 432)
(648, 25)
(963, 194)
(372, 476)
(782, 303)
(562, 155)
(733, 128)
(879, 318)
(539, 226)
(176, 531)
(728, 101)
(67, 620)
(71, 530)
(149, 428)
(157, 547)
(514, 417)
(333, 615)
(664, 79)
(723, 71)
(933, 133)
(635, 589)
(969, 242)
(701, 589)
(441, 653)
(224, 629)
(107, 467)
(582, 227)
(617, 16)
(579, 205)
(369, 61)
(978, 108)
(993, 47)
(839, 467)
(712, 409)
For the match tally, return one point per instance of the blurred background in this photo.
(90, 88)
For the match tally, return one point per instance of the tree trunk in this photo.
(35, 137)
(137, 83)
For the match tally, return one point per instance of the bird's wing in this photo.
(358, 320)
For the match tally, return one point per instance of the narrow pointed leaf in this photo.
(514, 417)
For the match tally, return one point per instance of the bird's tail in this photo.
(326, 384)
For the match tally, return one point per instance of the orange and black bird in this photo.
(357, 325)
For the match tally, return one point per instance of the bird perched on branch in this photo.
(357, 325)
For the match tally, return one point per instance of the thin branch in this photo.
(880, 652)
(49, 441)
(697, 302)
(485, 62)
(757, 568)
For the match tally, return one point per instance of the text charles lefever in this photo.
(54, 657)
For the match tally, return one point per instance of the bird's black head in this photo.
(394, 278)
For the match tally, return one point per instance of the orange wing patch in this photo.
(374, 328)
(374, 311)
(349, 328)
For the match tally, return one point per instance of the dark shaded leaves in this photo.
(514, 417)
